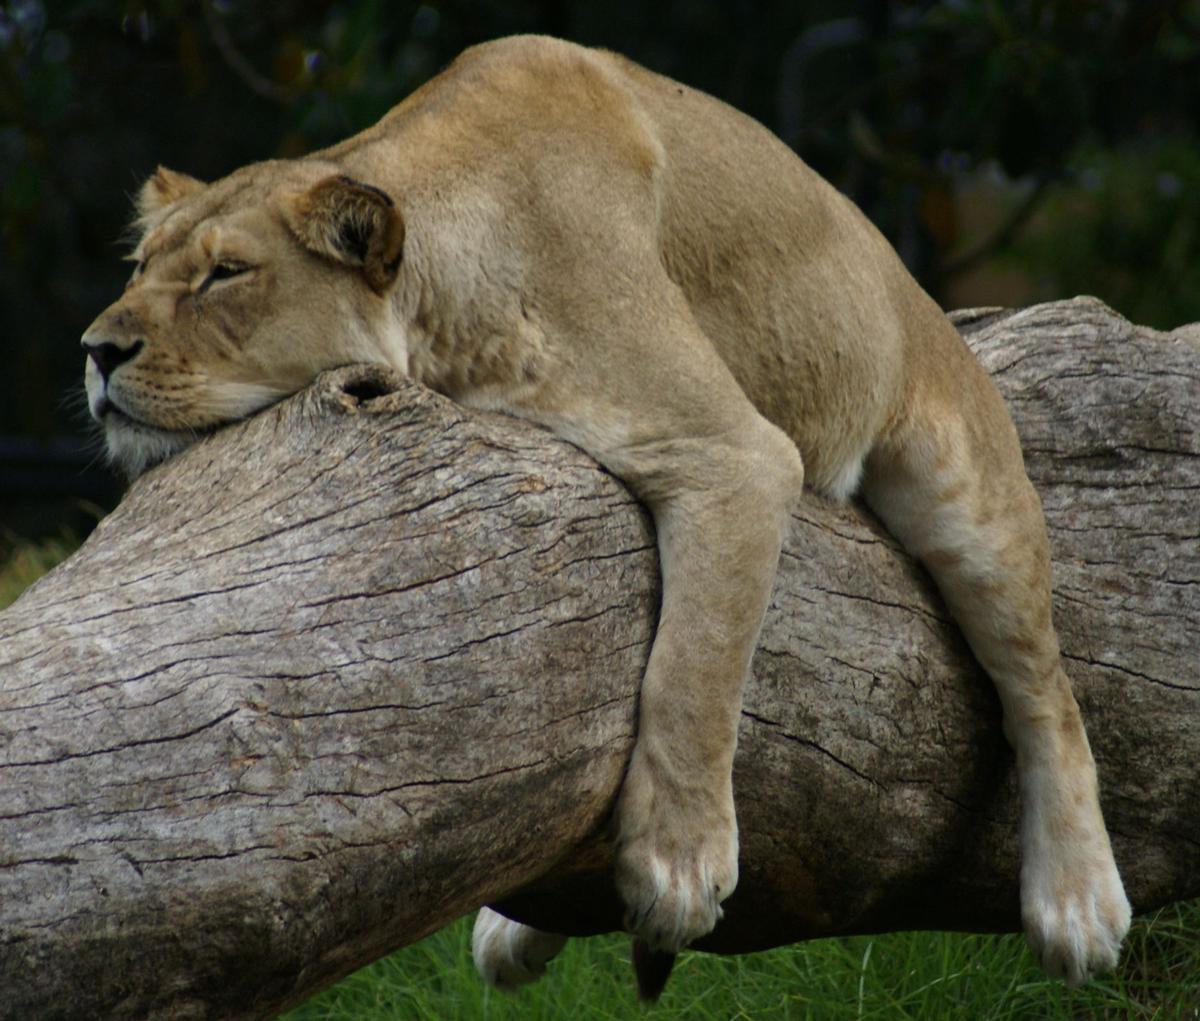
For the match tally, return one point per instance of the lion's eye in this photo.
(138, 269)
(222, 271)
(225, 270)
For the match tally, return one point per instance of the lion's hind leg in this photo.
(951, 485)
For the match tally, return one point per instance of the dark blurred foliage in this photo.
(1082, 115)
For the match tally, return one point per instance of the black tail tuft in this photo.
(652, 968)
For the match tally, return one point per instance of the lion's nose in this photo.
(108, 355)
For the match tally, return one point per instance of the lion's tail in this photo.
(652, 968)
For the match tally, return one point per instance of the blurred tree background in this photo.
(1012, 151)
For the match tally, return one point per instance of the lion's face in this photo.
(244, 291)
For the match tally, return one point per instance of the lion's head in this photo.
(244, 290)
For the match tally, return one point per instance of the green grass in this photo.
(28, 561)
(865, 978)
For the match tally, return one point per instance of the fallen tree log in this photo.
(343, 672)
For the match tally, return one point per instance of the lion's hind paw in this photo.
(1076, 929)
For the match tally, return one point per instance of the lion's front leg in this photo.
(677, 845)
(643, 390)
(719, 508)
(720, 481)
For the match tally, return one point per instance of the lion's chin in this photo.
(135, 447)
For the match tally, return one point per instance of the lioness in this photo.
(560, 234)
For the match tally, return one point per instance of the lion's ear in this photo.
(162, 188)
(352, 223)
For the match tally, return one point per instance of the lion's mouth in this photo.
(135, 445)
(110, 415)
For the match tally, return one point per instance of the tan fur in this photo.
(562, 235)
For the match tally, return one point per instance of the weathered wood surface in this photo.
(345, 671)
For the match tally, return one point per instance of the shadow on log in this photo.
(343, 672)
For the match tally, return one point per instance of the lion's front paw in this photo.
(508, 954)
(1076, 914)
(673, 883)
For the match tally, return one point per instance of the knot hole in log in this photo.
(356, 385)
